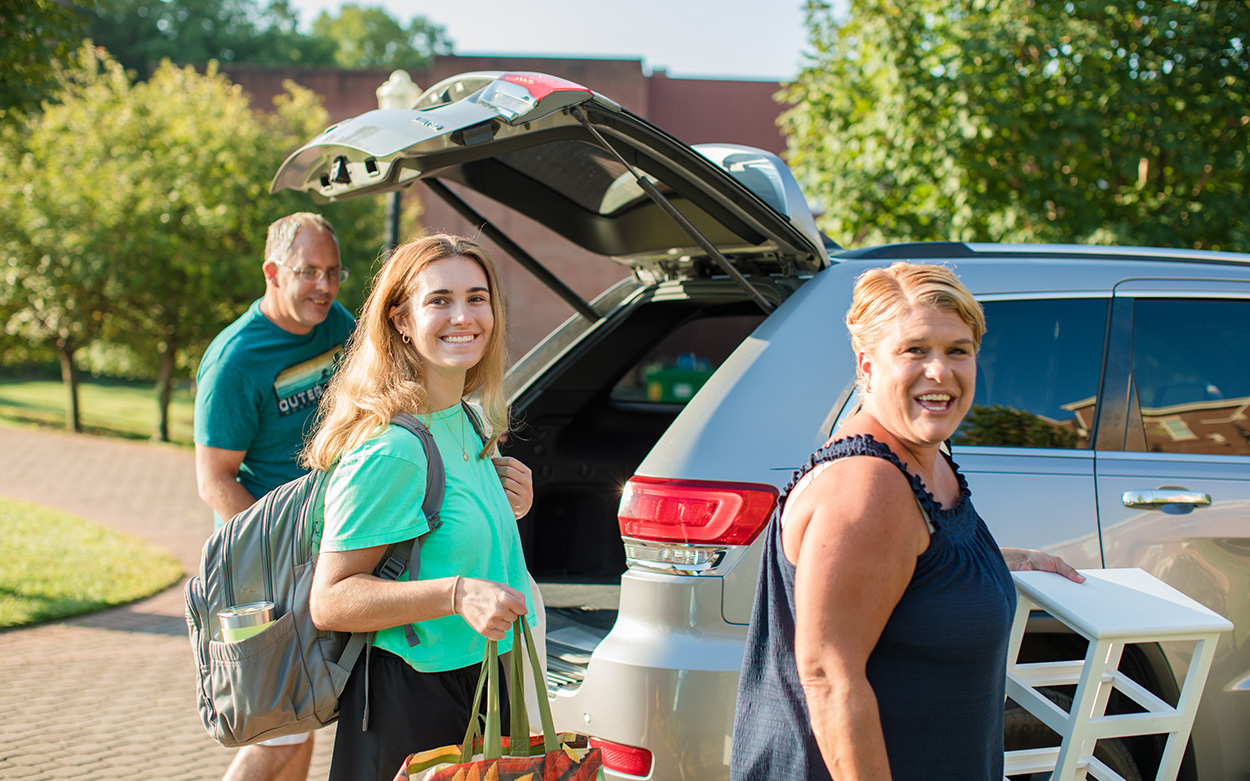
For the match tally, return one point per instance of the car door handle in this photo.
(1156, 498)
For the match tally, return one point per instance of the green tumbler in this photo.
(241, 621)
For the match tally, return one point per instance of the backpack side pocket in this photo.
(251, 684)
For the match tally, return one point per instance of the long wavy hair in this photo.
(381, 375)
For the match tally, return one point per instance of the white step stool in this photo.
(1111, 609)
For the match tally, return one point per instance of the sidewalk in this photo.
(111, 695)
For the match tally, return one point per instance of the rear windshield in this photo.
(586, 174)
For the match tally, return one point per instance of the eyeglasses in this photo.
(307, 274)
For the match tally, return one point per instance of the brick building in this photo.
(693, 110)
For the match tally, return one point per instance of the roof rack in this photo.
(934, 250)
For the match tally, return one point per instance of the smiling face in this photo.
(292, 302)
(449, 320)
(921, 376)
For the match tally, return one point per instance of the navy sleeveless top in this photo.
(938, 670)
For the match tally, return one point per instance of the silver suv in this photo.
(1111, 422)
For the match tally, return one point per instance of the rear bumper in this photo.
(664, 679)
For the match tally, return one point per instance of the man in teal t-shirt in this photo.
(257, 393)
(256, 398)
(260, 380)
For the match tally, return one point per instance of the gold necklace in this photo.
(460, 439)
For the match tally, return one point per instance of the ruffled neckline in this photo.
(867, 445)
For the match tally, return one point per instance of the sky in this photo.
(736, 39)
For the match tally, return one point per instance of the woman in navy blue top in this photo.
(878, 642)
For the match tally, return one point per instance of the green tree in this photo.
(34, 35)
(142, 33)
(58, 275)
(1099, 121)
(369, 37)
(1008, 427)
(151, 237)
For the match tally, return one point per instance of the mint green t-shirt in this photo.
(373, 497)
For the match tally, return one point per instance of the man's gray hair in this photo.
(283, 231)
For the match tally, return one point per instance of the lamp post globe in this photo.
(397, 92)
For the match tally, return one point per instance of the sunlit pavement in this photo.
(111, 695)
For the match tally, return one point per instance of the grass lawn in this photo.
(55, 565)
(109, 407)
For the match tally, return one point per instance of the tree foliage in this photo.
(34, 35)
(368, 37)
(1008, 427)
(1099, 121)
(142, 33)
(58, 278)
(139, 212)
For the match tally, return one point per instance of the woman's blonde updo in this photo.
(883, 295)
(381, 375)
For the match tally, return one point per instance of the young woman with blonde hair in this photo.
(432, 332)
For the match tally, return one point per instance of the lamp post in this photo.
(397, 92)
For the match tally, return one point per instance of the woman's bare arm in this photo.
(861, 532)
(346, 597)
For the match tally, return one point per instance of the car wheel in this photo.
(1023, 730)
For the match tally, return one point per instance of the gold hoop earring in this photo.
(405, 338)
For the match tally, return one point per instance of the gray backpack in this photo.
(288, 678)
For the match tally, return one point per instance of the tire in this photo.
(1023, 730)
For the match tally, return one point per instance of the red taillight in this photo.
(623, 759)
(540, 85)
(695, 511)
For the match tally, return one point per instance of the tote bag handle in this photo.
(518, 740)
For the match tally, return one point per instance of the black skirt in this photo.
(409, 711)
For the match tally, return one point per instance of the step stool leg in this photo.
(1110, 664)
(1187, 706)
(1018, 625)
(1088, 695)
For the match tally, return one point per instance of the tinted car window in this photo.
(1191, 376)
(589, 175)
(1037, 374)
(674, 370)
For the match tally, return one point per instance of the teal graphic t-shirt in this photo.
(257, 390)
(373, 497)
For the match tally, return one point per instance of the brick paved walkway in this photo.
(111, 695)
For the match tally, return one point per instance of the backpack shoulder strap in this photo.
(406, 556)
(475, 420)
(435, 476)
